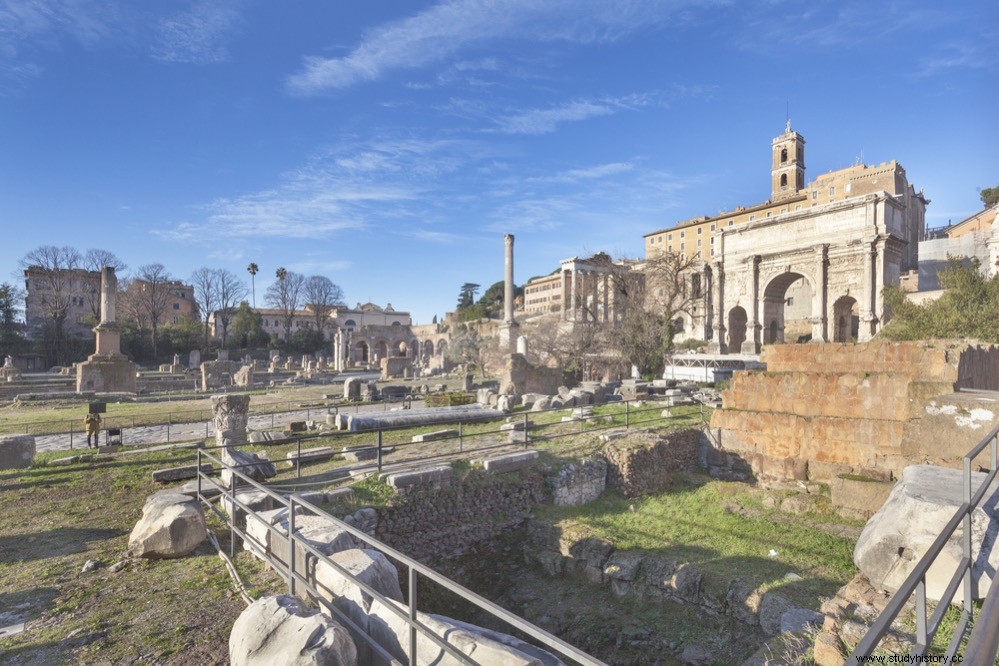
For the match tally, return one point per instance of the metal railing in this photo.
(296, 575)
(982, 643)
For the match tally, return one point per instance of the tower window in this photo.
(752, 217)
(699, 231)
(783, 180)
(832, 191)
(783, 155)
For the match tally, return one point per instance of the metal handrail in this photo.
(985, 644)
(414, 569)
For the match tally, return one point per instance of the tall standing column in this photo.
(508, 281)
(819, 298)
(508, 330)
(867, 307)
(572, 300)
(754, 315)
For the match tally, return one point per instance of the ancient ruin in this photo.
(107, 370)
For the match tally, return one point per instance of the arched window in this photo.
(783, 180)
(783, 155)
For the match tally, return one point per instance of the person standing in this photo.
(93, 423)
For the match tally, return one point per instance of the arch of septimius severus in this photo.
(810, 263)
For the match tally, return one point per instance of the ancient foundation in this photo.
(824, 410)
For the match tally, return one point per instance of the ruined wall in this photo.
(842, 407)
(520, 377)
(441, 523)
(646, 463)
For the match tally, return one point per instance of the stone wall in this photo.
(646, 463)
(434, 524)
(842, 408)
(223, 374)
(578, 483)
(520, 377)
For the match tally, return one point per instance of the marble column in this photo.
(820, 294)
(508, 281)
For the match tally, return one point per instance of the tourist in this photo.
(93, 423)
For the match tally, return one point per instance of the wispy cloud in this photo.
(353, 186)
(543, 121)
(441, 237)
(452, 25)
(959, 55)
(198, 35)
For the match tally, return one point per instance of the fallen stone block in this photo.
(403, 481)
(367, 566)
(180, 473)
(172, 525)
(487, 646)
(435, 435)
(262, 436)
(541, 404)
(249, 464)
(900, 533)
(320, 532)
(259, 532)
(340, 495)
(311, 455)
(283, 630)
(516, 425)
(510, 462)
(362, 453)
(17, 451)
(858, 494)
(209, 490)
(252, 500)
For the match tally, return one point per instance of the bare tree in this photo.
(321, 296)
(659, 292)
(95, 260)
(152, 283)
(231, 291)
(50, 294)
(130, 305)
(205, 283)
(284, 294)
(565, 345)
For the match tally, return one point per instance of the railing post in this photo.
(71, 437)
(412, 615)
(298, 460)
(291, 545)
(921, 640)
(627, 414)
(527, 435)
(461, 443)
(232, 516)
(969, 579)
(379, 450)
(199, 476)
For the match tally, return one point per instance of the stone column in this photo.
(594, 281)
(718, 343)
(820, 294)
(606, 298)
(867, 307)
(879, 283)
(572, 300)
(108, 331)
(753, 325)
(231, 414)
(565, 299)
(508, 281)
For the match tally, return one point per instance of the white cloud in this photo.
(451, 25)
(198, 35)
(441, 237)
(543, 121)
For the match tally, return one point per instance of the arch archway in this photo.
(428, 348)
(787, 308)
(399, 348)
(736, 329)
(846, 319)
(381, 350)
(441, 347)
(362, 352)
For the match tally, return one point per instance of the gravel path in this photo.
(180, 432)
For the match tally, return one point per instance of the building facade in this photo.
(73, 294)
(807, 264)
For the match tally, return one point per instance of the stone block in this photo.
(311, 455)
(509, 462)
(403, 481)
(180, 473)
(172, 525)
(859, 494)
(283, 630)
(924, 500)
(17, 451)
(435, 435)
(800, 620)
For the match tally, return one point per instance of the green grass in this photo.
(692, 524)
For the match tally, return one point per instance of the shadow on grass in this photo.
(26, 605)
(50, 543)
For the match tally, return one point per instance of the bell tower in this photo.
(787, 174)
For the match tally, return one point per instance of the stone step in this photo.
(510, 462)
(435, 435)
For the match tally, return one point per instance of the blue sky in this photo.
(389, 145)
